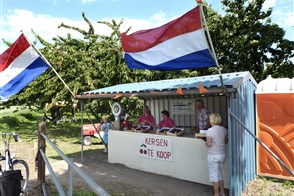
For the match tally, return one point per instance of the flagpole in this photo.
(199, 2)
(42, 56)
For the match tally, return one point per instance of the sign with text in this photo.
(155, 147)
(183, 107)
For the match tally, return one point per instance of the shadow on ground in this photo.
(118, 179)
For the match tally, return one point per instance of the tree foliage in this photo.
(87, 62)
(244, 39)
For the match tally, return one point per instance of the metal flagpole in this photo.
(42, 56)
(199, 2)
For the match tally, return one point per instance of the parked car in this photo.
(89, 132)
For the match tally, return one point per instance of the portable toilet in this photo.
(275, 126)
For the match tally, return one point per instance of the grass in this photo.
(23, 122)
(288, 183)
(66, 136)
(269, 186)
(284, 182)
(81, 191)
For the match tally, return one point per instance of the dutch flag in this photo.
(179, 44)
(19, 65)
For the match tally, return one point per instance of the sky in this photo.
(44, 16)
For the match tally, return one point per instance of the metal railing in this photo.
(43, 161)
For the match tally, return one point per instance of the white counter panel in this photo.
(189, 156)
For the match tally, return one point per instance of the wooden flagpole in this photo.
(42, 56)
(199, 2)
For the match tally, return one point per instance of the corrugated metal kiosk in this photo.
(185, 157)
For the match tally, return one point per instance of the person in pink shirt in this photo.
(167, 121)
(146, 119)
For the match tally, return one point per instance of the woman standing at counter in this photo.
(215, 141)
(146, 119)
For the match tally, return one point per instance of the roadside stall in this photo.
(185, 156)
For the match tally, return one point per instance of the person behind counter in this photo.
(126, 123)
(146, 119)
(215, 141)
(167, 121)
(203, 119)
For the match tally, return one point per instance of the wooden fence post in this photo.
(41, 145)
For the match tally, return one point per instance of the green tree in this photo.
(89, 62)
(245, 39)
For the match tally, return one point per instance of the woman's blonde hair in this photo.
(215, 119)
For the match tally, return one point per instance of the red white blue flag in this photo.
(19, 65)
(179, 44)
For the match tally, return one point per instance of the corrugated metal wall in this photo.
(188, 121)
(241, 144)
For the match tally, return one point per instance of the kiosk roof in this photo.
(169, 87)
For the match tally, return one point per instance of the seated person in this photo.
(167, 121)
(126, 123)
(146, 119)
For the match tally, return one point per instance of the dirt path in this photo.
(116, 179)
(119, 180)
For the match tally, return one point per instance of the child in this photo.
(105, 127)
(126, 123)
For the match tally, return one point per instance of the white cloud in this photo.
(47, 26)
(24, 20)
(269, 4)
(159, 17)
(88, 1)
(289, 19)
(283, 18)
(283, 15)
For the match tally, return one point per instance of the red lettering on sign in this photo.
(156, 142)
(163, 154)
